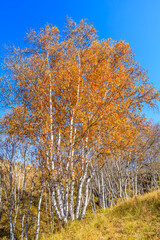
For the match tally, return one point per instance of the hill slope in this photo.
(137, 218)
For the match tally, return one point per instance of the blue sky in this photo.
(135, 21)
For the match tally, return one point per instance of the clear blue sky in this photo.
(135, 21)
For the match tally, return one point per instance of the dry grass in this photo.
(137, 218)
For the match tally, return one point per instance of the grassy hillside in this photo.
(137, 218)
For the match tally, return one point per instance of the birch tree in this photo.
(78, 99)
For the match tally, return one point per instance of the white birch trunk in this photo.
(50, 209)
(38, 214)
(23, 200)
(136, 182)
(71, 202)
(46, 205)
(72, 138)
(12, 236)
(51, 113)
(79, 193)
(29, 208)
(58, 214)
(79, 197)
(51, 125)
(103, 194)
(86, 200)
(66, 201)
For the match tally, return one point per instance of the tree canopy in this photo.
(78, 101)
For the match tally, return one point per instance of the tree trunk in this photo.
(38, 214)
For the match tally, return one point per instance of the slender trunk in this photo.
(120, 187)
(30, 204)
(58, 214)
(46, 203)
(12, 237)
(23, 200)
(79, 193)
(79, 197)
(38, 214)
(126, 195)
(50, 210)
(50, 112)
(72, 139)
(136, 183)
(99, 193)
(66, 201)
(51, 125)
(102, 182)
(86, 199)
(60, 202)
(71, 203)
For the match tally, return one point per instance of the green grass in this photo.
(136, 218)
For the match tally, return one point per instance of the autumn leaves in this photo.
(79, 102)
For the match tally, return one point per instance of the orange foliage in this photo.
(92, 93)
